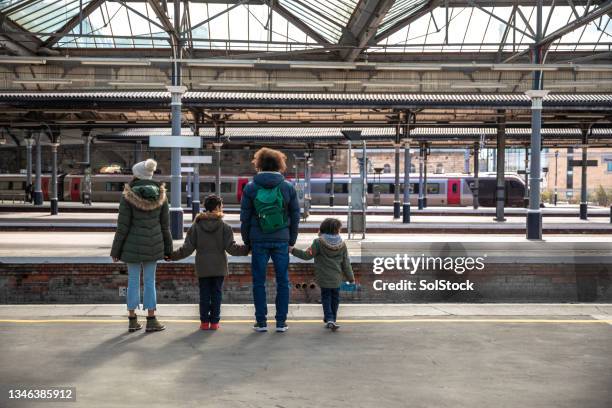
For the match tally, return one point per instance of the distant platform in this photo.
(421, 223)
(547, 211)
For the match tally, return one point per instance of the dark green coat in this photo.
(143, 232)
(331, 262)
(211, 238)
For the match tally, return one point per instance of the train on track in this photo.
(442, 189)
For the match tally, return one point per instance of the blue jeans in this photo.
(133, 290)
(330, 300)
(261, 253)
(211, 293)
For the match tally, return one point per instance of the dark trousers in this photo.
(211, 293)
(330, 300)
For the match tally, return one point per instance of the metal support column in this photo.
(349, 226)
(534, 213)
(28, 188)
(500, 190)
(406, 206)
(425, 154)
(307, 184)
(583, 182)
(476, 189)
(526, 196)
(53, 186)
(38, 194)
(188, 189)
(176, 210)
(138, 152)
(420, 200)
(195, 202)
(217, 146)
(396, 191)
(332, 190)
(556, 176)
(86, 193)
(364, 189)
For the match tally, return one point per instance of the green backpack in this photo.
(270, 209)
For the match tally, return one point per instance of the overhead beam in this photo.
(73, 22)
(164, 19)
(603, 9)
(429, 7)
(16, 39)
(287, 15)
(362, 26)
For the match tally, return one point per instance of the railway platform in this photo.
(562, 210)
(452, 355)
(422, 223)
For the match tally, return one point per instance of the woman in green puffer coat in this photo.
(142, 238)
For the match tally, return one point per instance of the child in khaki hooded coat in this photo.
(211, 238)
(332, 265)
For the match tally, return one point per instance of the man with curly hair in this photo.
(269, 216)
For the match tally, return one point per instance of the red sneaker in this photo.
(205, 326)
(214, 326)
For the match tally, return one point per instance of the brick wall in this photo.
(100, 283)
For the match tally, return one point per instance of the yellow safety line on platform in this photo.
(356, 321)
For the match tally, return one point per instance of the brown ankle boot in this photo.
(153, 325)
(133, 324)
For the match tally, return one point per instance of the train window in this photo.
(226, 187)
(19, 185)
(339, 188)
(433, 188)
(5, 185)
(76, 187)
(380, 188)
(114, 186)
(207, 187)
(413, 188)
(454, 188)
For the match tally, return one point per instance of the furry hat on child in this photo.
(145, 169)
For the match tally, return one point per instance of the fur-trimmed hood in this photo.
(332, 242)
(209, 221)
(153, 200)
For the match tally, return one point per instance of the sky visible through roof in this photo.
(133, 24)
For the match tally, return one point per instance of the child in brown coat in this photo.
(211, 238)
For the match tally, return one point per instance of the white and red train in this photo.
(442, 189)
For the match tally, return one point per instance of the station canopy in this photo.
(341, 29)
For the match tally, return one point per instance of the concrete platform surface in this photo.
(442, 361)
(306, 310)
(82, 246)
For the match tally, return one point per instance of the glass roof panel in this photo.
(41, 17)
(247, 27)
(400, 10)
(114, 25)
(326, 17)
(472, 30)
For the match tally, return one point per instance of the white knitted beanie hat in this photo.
(145, 169)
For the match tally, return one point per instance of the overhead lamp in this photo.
(31, 61)
(391, 84)
(42, 81)
(143, 84)
(405, 67)
(220, 64)
(230, 84)
(478, 85)
(348, 81)
(305, 84)
(523, 67)
(105, 61)
(593, 68)
(575, 84)
(322, 66)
